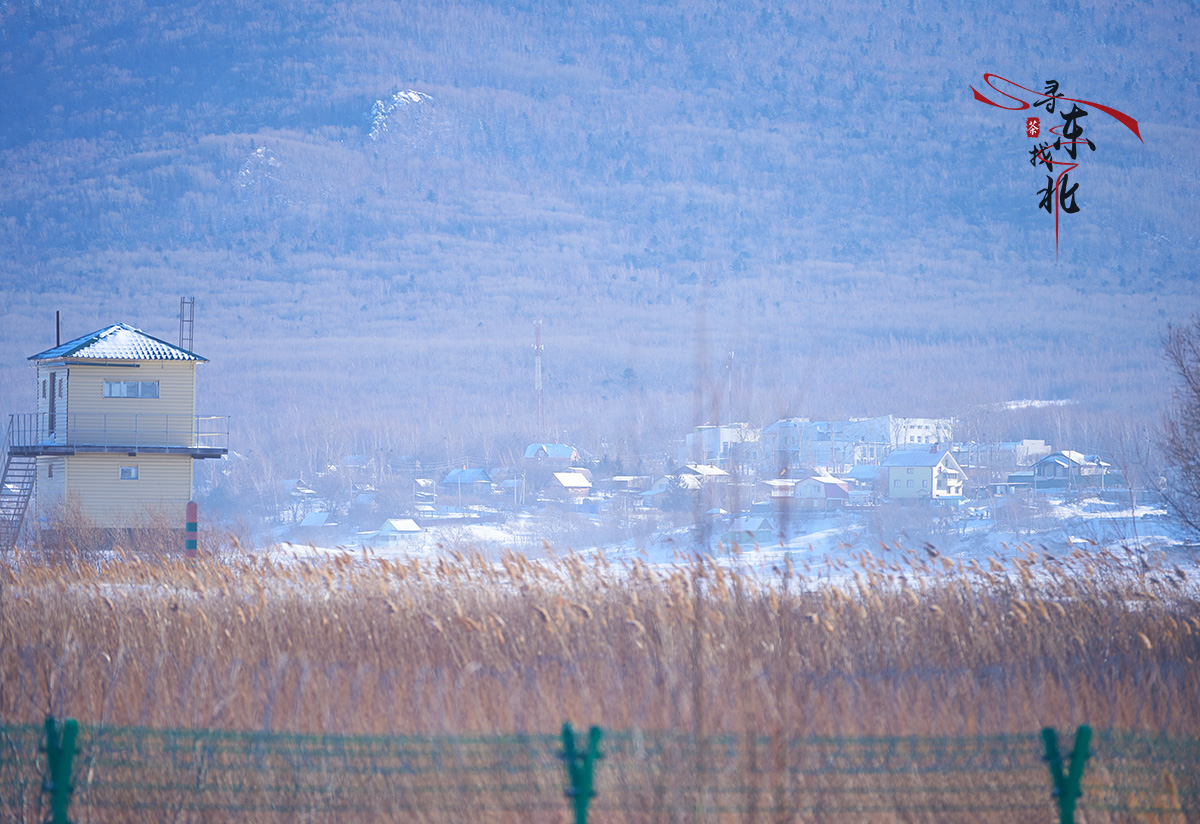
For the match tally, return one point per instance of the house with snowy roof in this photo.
(924, 473)
(706, 473)
(551, 454)
(569, 485)
(114, 435)
(1072, 470)
(821, 492)
(394, 532)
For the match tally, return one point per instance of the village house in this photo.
(571, 486)
(706, 474)
(315, 527)
(779, 489)
(628, 483)
(821, 492)
(394, 532)
(475, 482)
(993, 467)
(114, 435)
(542, 460)
(839, 445)
(924, 474)
(1068, 470)
(909, 431)
(673, 492)
(729, 446)
(749, 531)
(551, 455)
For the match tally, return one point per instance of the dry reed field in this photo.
(910, 643)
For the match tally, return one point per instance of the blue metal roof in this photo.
(118, 342)
(467, 476)
(553, 450)
(915, 457)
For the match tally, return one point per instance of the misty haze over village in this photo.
(734, 377)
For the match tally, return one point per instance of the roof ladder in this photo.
(16, 488)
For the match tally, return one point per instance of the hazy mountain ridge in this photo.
(816, 190)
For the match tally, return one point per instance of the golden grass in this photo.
(912, 643)
(358, 644)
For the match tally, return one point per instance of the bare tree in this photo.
(1181, 425)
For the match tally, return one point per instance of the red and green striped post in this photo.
(190, 534)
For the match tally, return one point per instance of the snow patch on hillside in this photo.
(1031, 403)
(258, 168)
(382, 111)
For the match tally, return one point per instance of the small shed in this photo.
(315, 527)
(394, 532)
(748, 531)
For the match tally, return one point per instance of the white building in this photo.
(839, 445)
(728, 446)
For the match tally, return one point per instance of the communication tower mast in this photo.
(187, 322)
(537, 373)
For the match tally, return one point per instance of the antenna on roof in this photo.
(57, 329)
(187, 322)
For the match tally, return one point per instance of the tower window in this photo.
(131, 389)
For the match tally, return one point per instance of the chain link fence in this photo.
(121, 774)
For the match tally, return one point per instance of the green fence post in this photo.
(60, 753)
(580, 768)
(1067, 786)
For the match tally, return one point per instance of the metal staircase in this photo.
(16, 488)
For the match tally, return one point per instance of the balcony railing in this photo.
(67, 433)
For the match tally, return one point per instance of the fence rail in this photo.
(639, 776)
(42, 432)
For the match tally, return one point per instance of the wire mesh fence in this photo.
(209, 775)
(762, 778)
(1143, 778)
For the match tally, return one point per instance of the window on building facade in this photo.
(129, 473)
(131, 389)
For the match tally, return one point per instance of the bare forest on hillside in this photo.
(373, 205)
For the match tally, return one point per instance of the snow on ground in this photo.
(824, 548)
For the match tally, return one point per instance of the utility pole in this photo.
(537, 375)
(729, 411)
